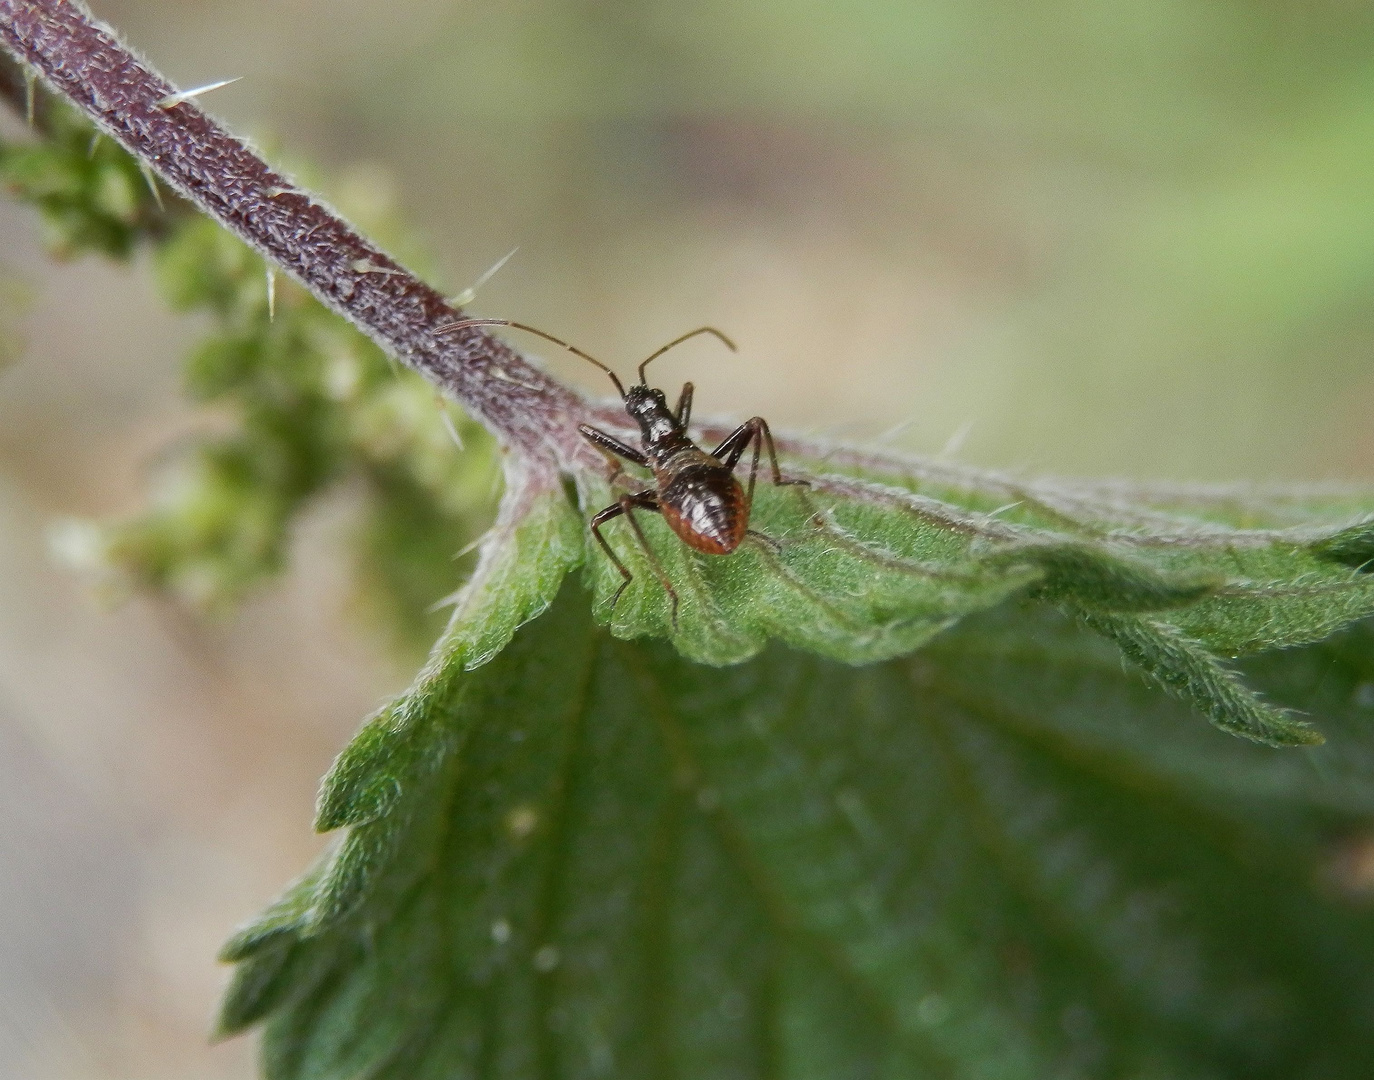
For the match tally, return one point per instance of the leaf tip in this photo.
(1290, 732)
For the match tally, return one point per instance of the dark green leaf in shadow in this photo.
(1002, 856)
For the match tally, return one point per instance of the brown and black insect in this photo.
(696, 492)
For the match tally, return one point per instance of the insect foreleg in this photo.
(612, 449)
(602, 441)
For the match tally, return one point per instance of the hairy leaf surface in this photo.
(870, 558)
(1001, 856)
(875, 556)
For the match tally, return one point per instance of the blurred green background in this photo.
(1091, 238)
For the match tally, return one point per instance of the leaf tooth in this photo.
(286, 915)
(1187, 670)
(399, 745)
(351, 870)
(255, 989)
(363, 783)
(259, 935)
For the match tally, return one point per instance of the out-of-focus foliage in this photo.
(14, 300)
(309, 403)
(314, 403)
(93, 197)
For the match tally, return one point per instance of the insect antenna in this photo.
(678, 341)
(465, 323)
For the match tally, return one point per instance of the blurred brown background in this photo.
(1106, 237)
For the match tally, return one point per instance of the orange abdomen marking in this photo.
(704, 505)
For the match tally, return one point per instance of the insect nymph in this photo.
(697, 492)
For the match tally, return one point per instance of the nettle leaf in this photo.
(872, 558)
(1002, 855)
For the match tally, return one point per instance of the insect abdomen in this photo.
(704, 505)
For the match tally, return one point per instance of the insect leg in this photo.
(599, 520)
(766, 540)
(626, 505)
(732, 448)
(648, 500)
(612, 449)
(602, 441)
(684, 405)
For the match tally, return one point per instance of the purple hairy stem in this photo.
(81, 59)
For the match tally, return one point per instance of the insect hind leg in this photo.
(625, 507)
(754, 430)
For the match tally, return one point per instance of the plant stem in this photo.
(82, 59)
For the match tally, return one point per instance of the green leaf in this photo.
(875, 557)
(528, 555)
(1001, 856)
(92, 195)
(1185, 668)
